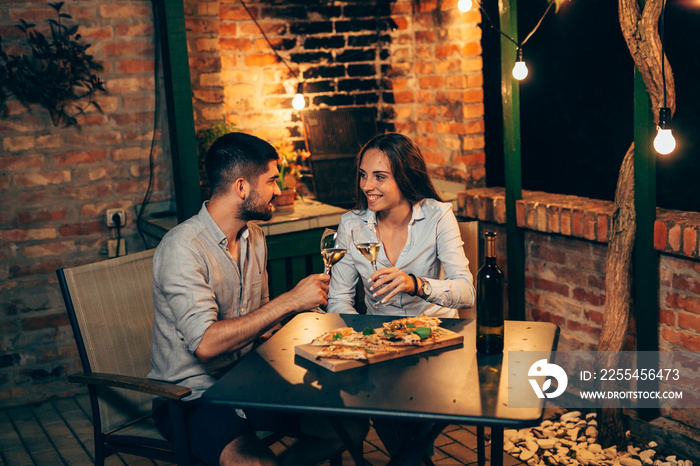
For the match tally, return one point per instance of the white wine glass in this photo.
(368, 242)
(330, 250)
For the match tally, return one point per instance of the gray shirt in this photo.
(196, 282)
(433, 247)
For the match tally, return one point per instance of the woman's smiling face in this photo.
(378, 183)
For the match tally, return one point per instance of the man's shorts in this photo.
(210, 428)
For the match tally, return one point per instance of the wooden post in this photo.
(170, 19)
(645, 263)
(510, 93)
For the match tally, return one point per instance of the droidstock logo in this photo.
(542, 369)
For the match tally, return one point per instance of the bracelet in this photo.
(415, 285)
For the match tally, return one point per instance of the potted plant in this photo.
(289, 166)
(57, 73)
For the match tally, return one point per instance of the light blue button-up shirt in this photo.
(433, 242)
(196, 282)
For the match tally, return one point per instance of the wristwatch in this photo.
(426, 288)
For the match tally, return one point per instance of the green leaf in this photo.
(368, 331)
(422, 332)
(337, 336)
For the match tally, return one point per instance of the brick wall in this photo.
(565, 249)
(56, 183)
(418, 63)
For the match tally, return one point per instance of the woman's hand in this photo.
(389, 282)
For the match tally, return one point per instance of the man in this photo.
(211, 300)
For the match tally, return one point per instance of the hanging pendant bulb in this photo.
(664, 142)
(520, 68)
(464, 5)
(298, 101)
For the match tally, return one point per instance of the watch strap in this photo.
(415, 285)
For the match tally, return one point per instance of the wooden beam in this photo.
(510, 93)
(170, 18)
(645, 258)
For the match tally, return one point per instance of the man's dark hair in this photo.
(407, 167)
(236, 155)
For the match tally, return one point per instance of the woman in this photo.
(419, 236)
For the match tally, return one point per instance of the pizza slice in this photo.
(335, 335)
(342, 352)
(411, 323)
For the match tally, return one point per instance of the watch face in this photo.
(427, 289)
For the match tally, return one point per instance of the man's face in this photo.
(258, 205)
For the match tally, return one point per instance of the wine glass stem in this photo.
(327, 270)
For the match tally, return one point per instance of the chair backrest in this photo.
(110, 306)
(470, 237)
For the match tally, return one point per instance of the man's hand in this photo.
(311, 292)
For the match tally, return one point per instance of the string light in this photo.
(298, 101)
(464, 5)
(520, 68)
(664, 142)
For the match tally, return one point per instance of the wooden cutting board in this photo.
(308, 351)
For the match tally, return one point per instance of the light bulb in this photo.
(298, 101)
(464, 5)
(664, 142)
(520, 68)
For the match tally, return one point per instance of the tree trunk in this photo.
(617, 295)
(641, 32)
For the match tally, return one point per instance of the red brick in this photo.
(686, 283)
(687, 341)
(689, 321)
(674, 238)
(404, 97)
(227, 30)
(471, 48)
(581, 327)
(35, 268)
(667, 317)
(136, 66)
(543, 316)
(41, 216)
(16, 235)
(447, 50)
(243, 45)
(20, 162)
(135, 30)
(132, 48)
(660, 235)
(553, 287)
(234, 11)
(690, 241)
(49, 249)
(566, 221)
(594, 316)
(82, 229)
(677, 301)
(115, 10)
(202, 25)
(72, 158)
(87, 192)
(595, 299)
(96, 32)
(33, 180)
(126, 85)
(45, 322)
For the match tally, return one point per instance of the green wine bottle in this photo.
(489, 301)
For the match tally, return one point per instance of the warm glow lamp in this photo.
(664, 142)
(298, 101)
(464, 5)
(520, 68)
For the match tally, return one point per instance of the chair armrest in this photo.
(139, 384)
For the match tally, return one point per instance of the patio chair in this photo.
(470, 237)
(110, 307)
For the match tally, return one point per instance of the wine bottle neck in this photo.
(490, 252)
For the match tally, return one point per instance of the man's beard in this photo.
(254, 209)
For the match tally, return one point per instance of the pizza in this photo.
(346, 343)
(333, 336)
(342, 352)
